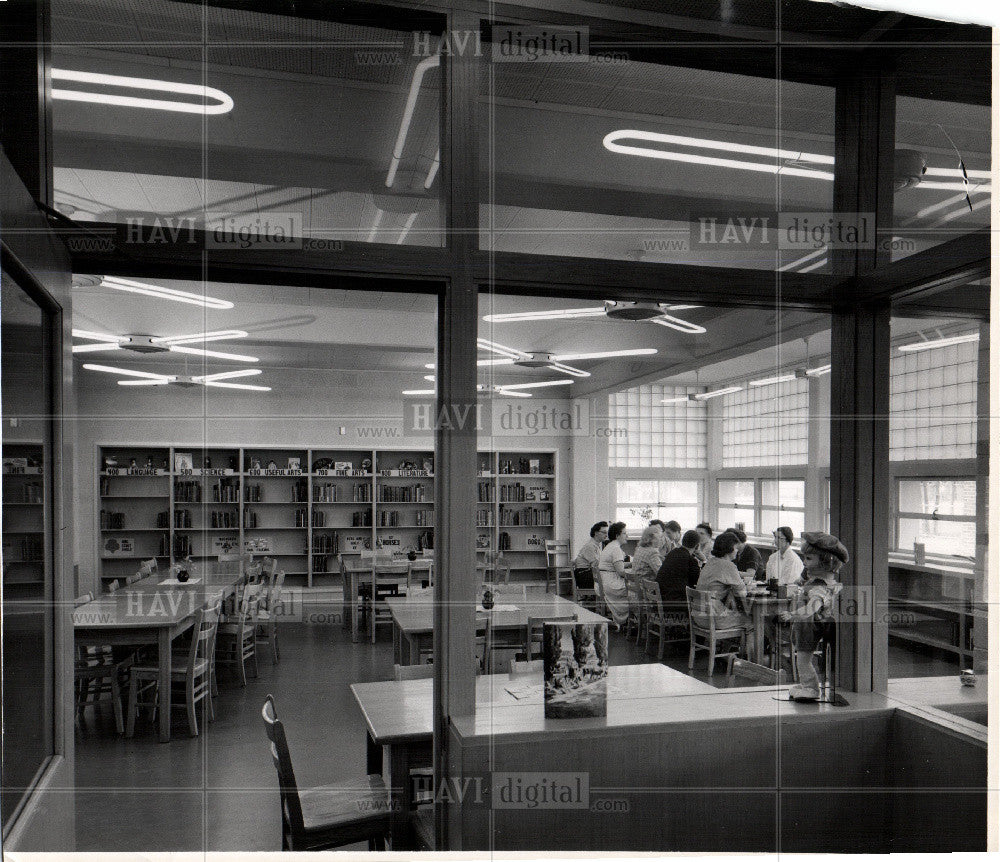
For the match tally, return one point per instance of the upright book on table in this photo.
(576, 670)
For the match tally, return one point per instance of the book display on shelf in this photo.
(23, 519)
(306, 506)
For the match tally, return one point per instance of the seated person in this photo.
(704, 549)
(612, 574)
(748, 559)
(822, 555)
(784, 564)
(589, 556)
(646, 560)
(720, 577)
(672, 537)
(679, 570)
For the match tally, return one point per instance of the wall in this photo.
(311, 410)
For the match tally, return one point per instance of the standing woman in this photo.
(612, 573)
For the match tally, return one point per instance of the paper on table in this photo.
(524, 691)
(173, 582)
(505, 609)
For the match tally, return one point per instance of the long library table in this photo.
(399, 718)
(413, 617)
(356, 570)
(154, 610)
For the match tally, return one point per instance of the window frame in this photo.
(898, 515)
(758, 495)
(698, 480)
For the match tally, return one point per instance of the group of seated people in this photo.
(676, 559)
(722, 565)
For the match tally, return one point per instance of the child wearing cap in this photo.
(822, 555)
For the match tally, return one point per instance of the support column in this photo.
(979, 598)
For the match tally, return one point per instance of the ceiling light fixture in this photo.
(679, 400)
(956, 172)
(406, 228)
(165, 382)
(109, 369)
(155, 290)
(94, 348)
(768, 381)
(606, 354)
(818, 371)
(433, 171)
(704, 396)
(228, 375)
(423, 67)
(211, 354)
(939, 342)
(220, 103)
(250, 386)
(539, 385)
(95, 336)
(418, 391)
(678, 324)
(199, 337)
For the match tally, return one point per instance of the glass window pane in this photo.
(943, 497)
(787, 493)
(771, 519)
(643, 493)
(675, 493)
(332, 133)
(729, 517)
(736, 491)
(634, 517)
(27, 566)
(938, 537)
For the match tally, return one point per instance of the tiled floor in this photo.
(219, 791)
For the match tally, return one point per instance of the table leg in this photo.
(353, 599)
(373, 756)
(397, 643)
(758, 634)
(401, 797)
(164, 689)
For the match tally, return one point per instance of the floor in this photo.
(218, 791)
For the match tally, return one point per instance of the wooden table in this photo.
(399, 720)
(413, 618)
(148, 612)
(762, 608)
(356, 571)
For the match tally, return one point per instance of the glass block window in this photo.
(645, 432)
(932, 403)
(637, 502)
(766, 425)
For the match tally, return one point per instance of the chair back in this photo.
(413, 671)
(148, 567)
(743, 672)
(273, 597)
(598, 587)
(206, 625)
(113, 586)
(254, 572)
(291, 807)
(83, 599)
(557, 553)
(481, 658)
(131, 579)
(701, 608)
(535, 624)
(651, 600)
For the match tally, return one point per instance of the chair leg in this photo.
(116, 703)
(133, 696)
(691, 653)
(192, 712)
(240, 664)
(274, 641)
(659, 656)
(211, 707)
(711, 654)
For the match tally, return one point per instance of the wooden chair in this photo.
(386, 576)
(192, 670)
(700, 602)
(600, 606)
(558, 565)
(583, 595)
(742, 672)
(483, 654)
(267, 616)
(493, 566)
(98, 675)
(655, 619)
(325, 817)
(237, 639)
(112, 586)
(412, 671)
(148, 567)
(419, 570)
(131, 579)
(636, 606)
(533, 636)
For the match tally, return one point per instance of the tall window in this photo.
(737, 504)
(638, 502)
(766, 425)
(657, 434)
(762, 505)
(938, 513)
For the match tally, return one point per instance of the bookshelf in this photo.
(304, 506)
(23, 518)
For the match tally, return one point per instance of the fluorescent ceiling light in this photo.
(95, 336)
(375, 224)
(956, 172)
(411, 101)
(159, 292)
(704, 396)
(429, 377)
(164, 382)
(767, 381)
(800, 260)
(212, 354)
(198, 338)
(434, 169)
(678, 324)
(607, 354)
(964, 210)
(818, 371)
(221, 385)
(817, 265)
(679, 400)
(500, 349)
(406, 228)
(228, 375)
(108, 369)
(612, 138)
(538, 385)
(973, 188)
(683, 307)
(93, 348)
(220, 103)
(937, 342)
(503, 390)
(418, 391)
(559, 314)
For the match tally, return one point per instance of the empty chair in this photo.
(558, 565)
(112, 586)
(702, 620)
(584, 590)
(741, 672)
(533, 630)
(636, 608)
(191, 670)
(267, 616)
(98, 676)
(148, 567)
(412, 671)
(325, 817)
(420, 570)
(131, 579)
(237, 638)
(494, 567)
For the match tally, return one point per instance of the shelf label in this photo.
(215, 471)
(410, 474)
(275, 471)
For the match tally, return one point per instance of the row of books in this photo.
(112, 520)
(529, 517)
(402, 493)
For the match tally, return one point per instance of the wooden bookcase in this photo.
(23, 519)
(303, 506)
